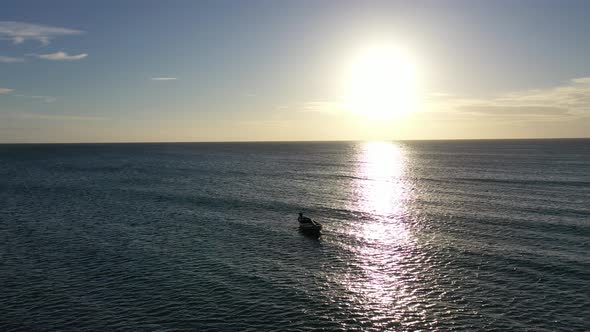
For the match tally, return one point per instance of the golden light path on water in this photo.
(382, 242)
(381, 168)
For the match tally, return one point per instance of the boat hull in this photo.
(310, 228)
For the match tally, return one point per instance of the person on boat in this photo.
(306, 220)
(302, 218)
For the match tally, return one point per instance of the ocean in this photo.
(418, 236)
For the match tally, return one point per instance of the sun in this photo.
(382, 83)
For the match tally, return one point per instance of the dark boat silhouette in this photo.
(307, 225)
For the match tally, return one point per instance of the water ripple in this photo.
(183, 237)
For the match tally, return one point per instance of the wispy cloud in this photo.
(65, 117)
(581, 80)
(47, 99)
(5, 91)
(566, 100)
(7, 59)
(164, 78)
(440, 94)
(19, 32)
(263, 123)
(62, 56)
(331, 107)
(51, 116)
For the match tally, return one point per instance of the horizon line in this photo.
(305, 141)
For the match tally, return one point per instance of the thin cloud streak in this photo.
(8, 59)
(61, 117)
(5, 91)
(19, 32)
(62, 56)
(164, 78)
(47, 99)
(330, 107)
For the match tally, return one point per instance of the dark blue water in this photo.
(459, 235)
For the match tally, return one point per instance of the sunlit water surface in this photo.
(443, 236)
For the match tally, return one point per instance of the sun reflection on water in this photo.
(380, 240)
(381, 191)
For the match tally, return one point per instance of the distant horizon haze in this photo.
(311, 141)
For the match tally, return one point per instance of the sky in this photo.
(153, 71)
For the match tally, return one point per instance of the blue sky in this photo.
(272, 70)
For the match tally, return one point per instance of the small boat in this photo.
(308, 225)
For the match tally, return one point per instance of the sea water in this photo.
(431, 235)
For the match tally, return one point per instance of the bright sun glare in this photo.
(382, 82)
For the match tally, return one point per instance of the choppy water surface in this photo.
(464, 235)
